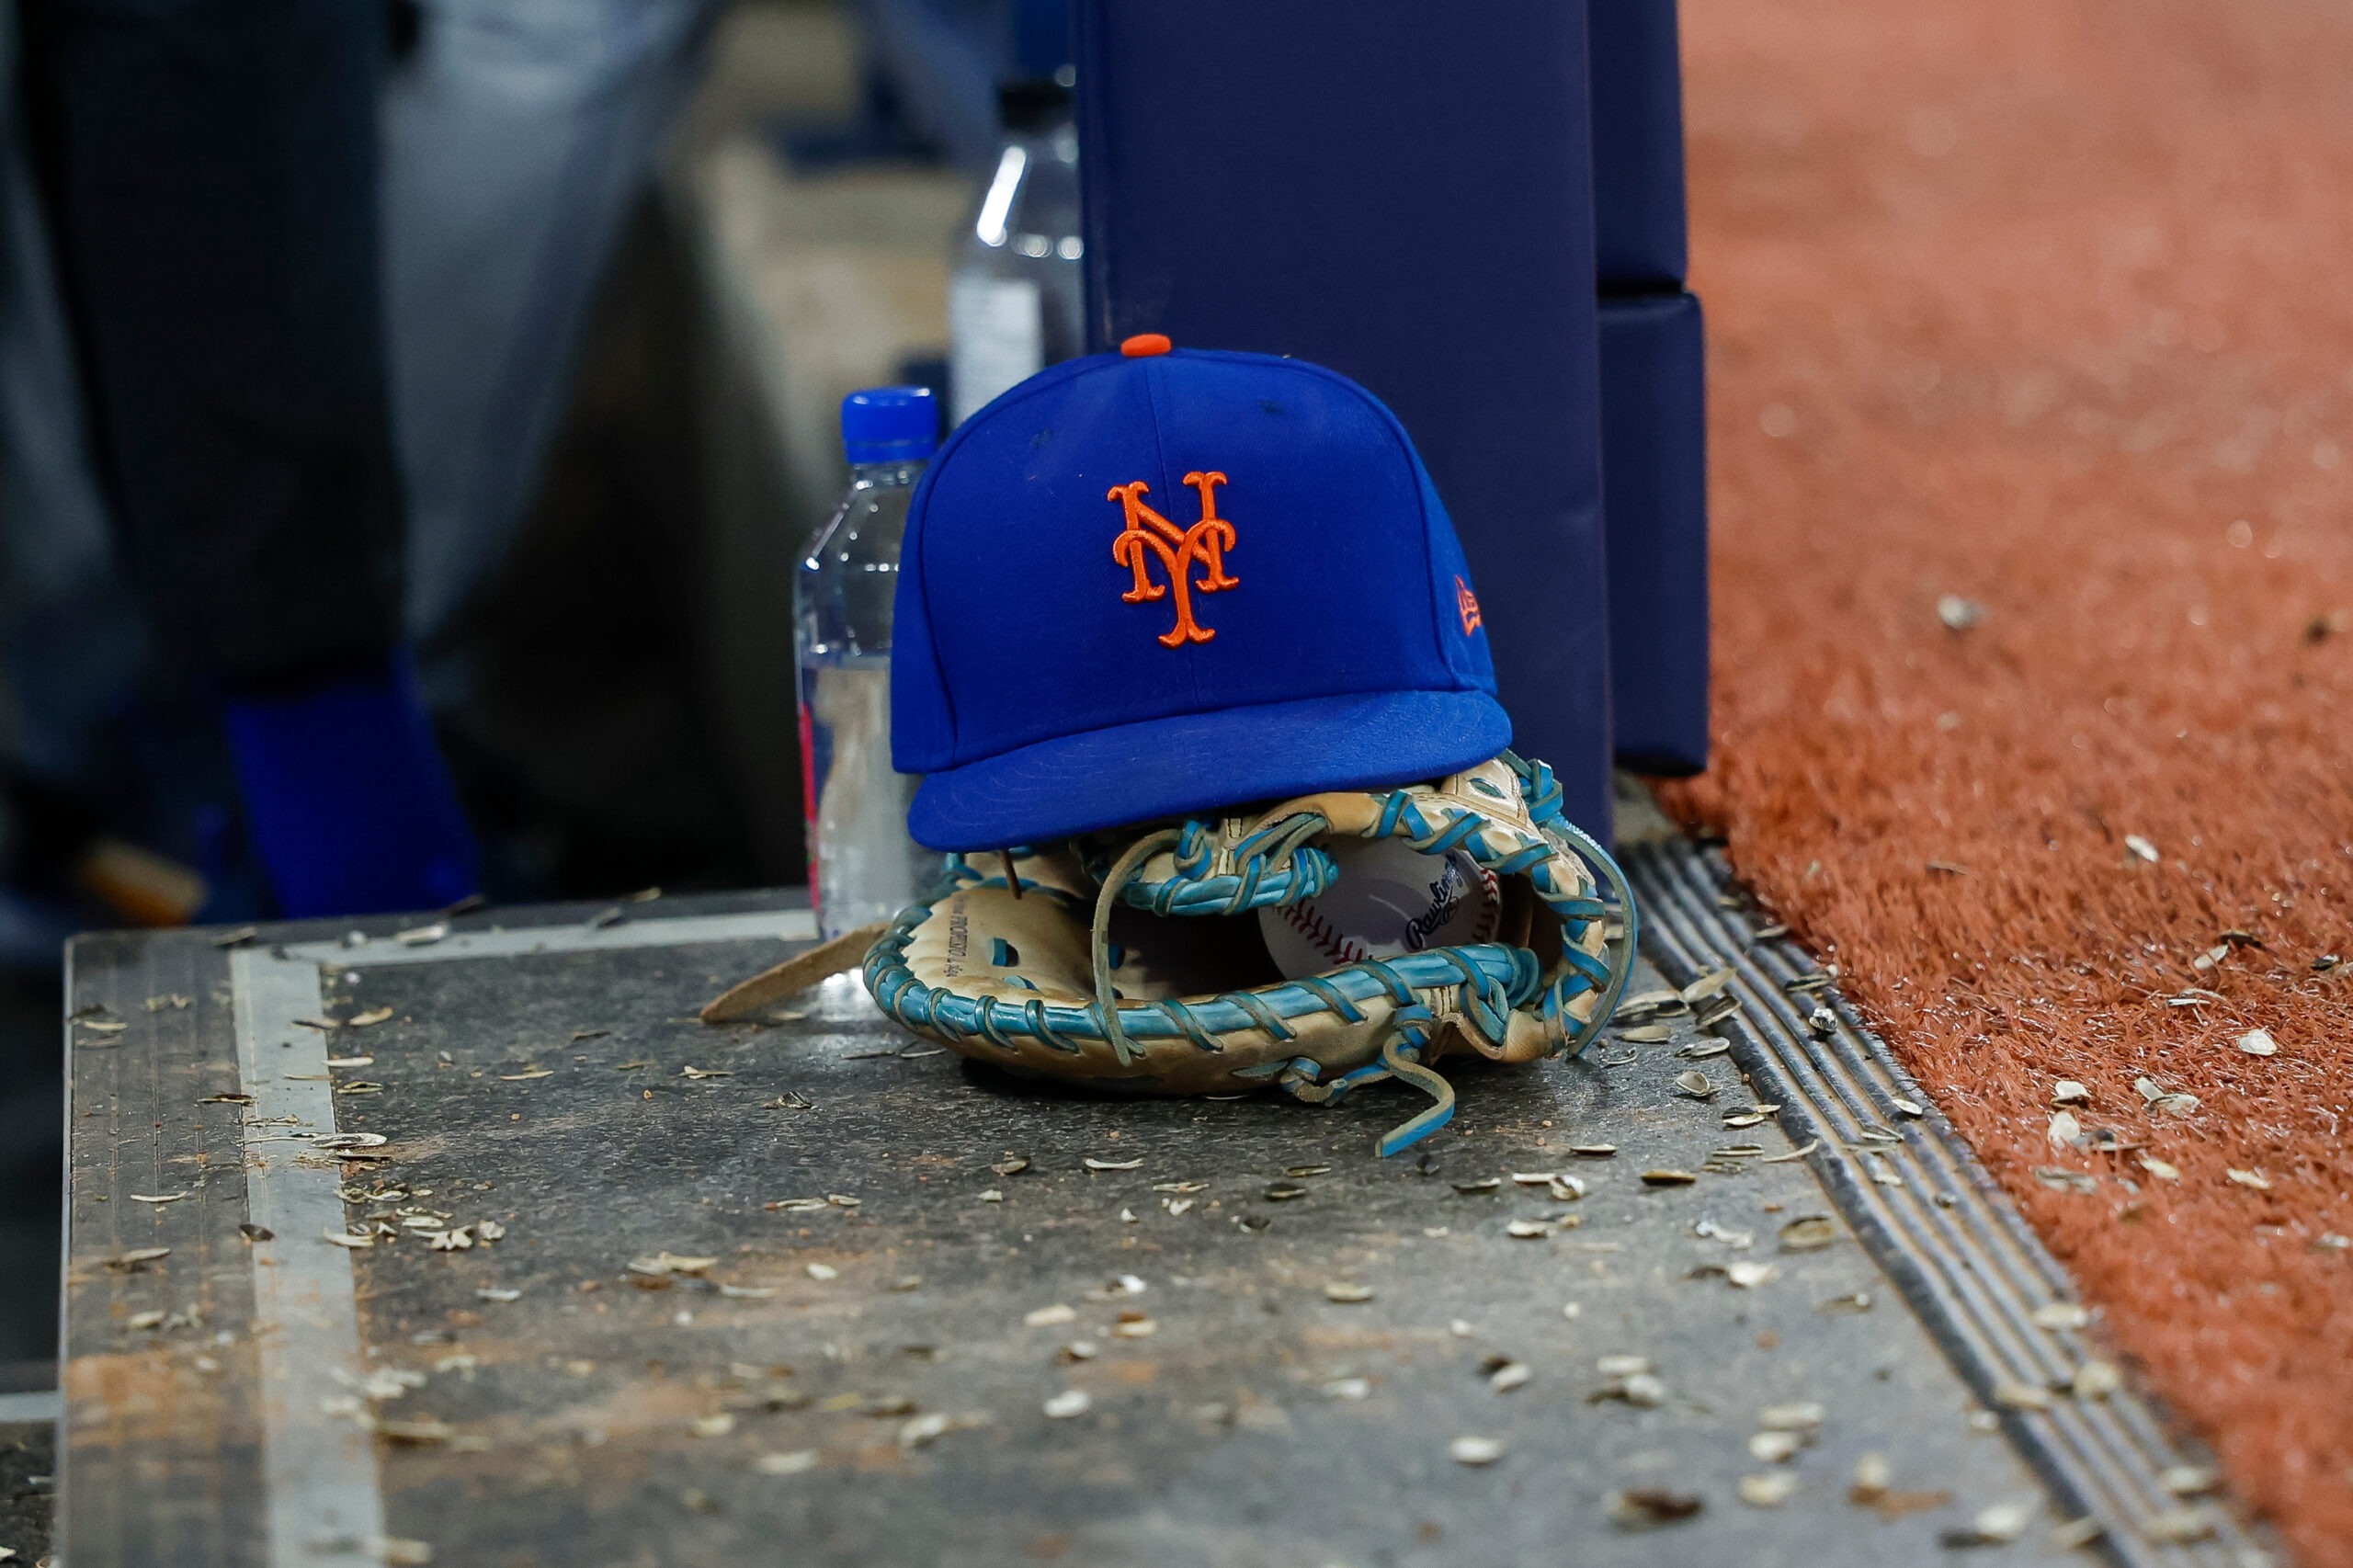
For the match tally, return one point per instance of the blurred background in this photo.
(633, 255)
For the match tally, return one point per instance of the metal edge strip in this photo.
(1961, 1253)
(63, 1438)
(785, 924)
(318, 1468)
(1992, 1231)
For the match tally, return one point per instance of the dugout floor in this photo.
(760, 1285)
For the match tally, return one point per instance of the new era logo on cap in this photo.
(1167, 581)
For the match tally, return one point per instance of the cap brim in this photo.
(1199, 762)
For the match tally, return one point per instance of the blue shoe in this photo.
(349, 800)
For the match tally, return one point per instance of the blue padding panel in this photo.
(1654, 434)
(1637, 145)
(1402, 192)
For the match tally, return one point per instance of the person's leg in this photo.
(210, 168)
(71, 643)
(516, 138)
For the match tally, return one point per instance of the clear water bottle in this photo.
(862, 865)
(1016, 301)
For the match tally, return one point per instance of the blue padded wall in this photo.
(1654, 444)
(1638, 217)
(1402, 192)
(1653, 393)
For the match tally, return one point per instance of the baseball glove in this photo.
(1103, 960)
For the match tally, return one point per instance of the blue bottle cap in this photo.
(885, 424)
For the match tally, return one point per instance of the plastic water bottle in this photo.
(862, 865)
(1015, 300)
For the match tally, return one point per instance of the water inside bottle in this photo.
(863, 866)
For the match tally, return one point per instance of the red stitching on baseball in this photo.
(1489, 914)
(1332, 944)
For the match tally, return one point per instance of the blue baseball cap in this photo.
(1163, 581)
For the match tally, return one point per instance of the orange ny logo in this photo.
(1206, 541)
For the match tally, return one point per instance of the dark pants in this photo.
(210, 165)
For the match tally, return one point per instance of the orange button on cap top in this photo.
(1144, 345)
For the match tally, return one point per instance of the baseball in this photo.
(1389, 900)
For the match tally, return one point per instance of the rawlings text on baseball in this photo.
(1388, 899)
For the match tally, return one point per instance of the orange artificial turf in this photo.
(2045, 304)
